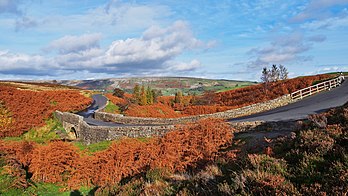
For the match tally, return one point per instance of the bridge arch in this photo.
(72, 133)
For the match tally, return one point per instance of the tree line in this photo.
(274, 74)
(141, 95)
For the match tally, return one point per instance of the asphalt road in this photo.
(300, 110)
(99, 101)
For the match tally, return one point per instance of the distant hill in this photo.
(168, 85)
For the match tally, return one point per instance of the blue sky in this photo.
(86, 39)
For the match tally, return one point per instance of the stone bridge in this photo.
(71, 123)
(77, 128)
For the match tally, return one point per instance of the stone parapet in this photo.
(229, 114)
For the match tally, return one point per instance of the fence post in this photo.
(330, 85)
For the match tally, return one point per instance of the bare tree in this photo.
(265, 77)
(274, 73)
(283, 72)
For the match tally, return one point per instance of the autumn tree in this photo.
(178, 97)
(136, 93)
(193, 98)
(143, 98)
(118, 93)
(283, 72)
(156, 94)
(149, 96)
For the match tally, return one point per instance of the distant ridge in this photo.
(168, 85)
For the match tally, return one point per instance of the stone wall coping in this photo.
(238, 112)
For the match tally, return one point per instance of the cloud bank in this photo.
(283, 49)
(155, 51)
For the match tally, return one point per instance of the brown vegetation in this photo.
(154, 111)
(58, 162)
(29, 108)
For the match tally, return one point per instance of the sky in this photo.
(218, 39)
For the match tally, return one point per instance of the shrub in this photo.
(315, 142)
(268, 164)
(265, 183)
(54, 162)
(118, 93)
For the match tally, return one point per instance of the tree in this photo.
(118, 93)
(149, 96)
(265, 77)
(156, 94)
(193, 99)
(283, 72)
(143, 99)
(178, 97)
(274, 73)
(136, 93)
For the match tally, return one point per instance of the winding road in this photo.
(299, 110)
(99, 101)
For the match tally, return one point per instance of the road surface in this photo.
(99, 101)
(300, 110)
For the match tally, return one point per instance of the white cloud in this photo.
(328, 69)
(183, 67)
(329, 23)
(283, 49)
(318, 9)
(114, 18)
(72, 44)
(157, 45)
(154, 52)
(24, 63)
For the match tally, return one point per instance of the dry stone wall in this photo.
(244, 111)
(91, 134)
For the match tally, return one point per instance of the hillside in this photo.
(195, 159)
(168, 85)
(24, 106)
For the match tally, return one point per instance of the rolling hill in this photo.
(168, 85)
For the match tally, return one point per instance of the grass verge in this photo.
(93, 147)
(40, 134)
(112, 108)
